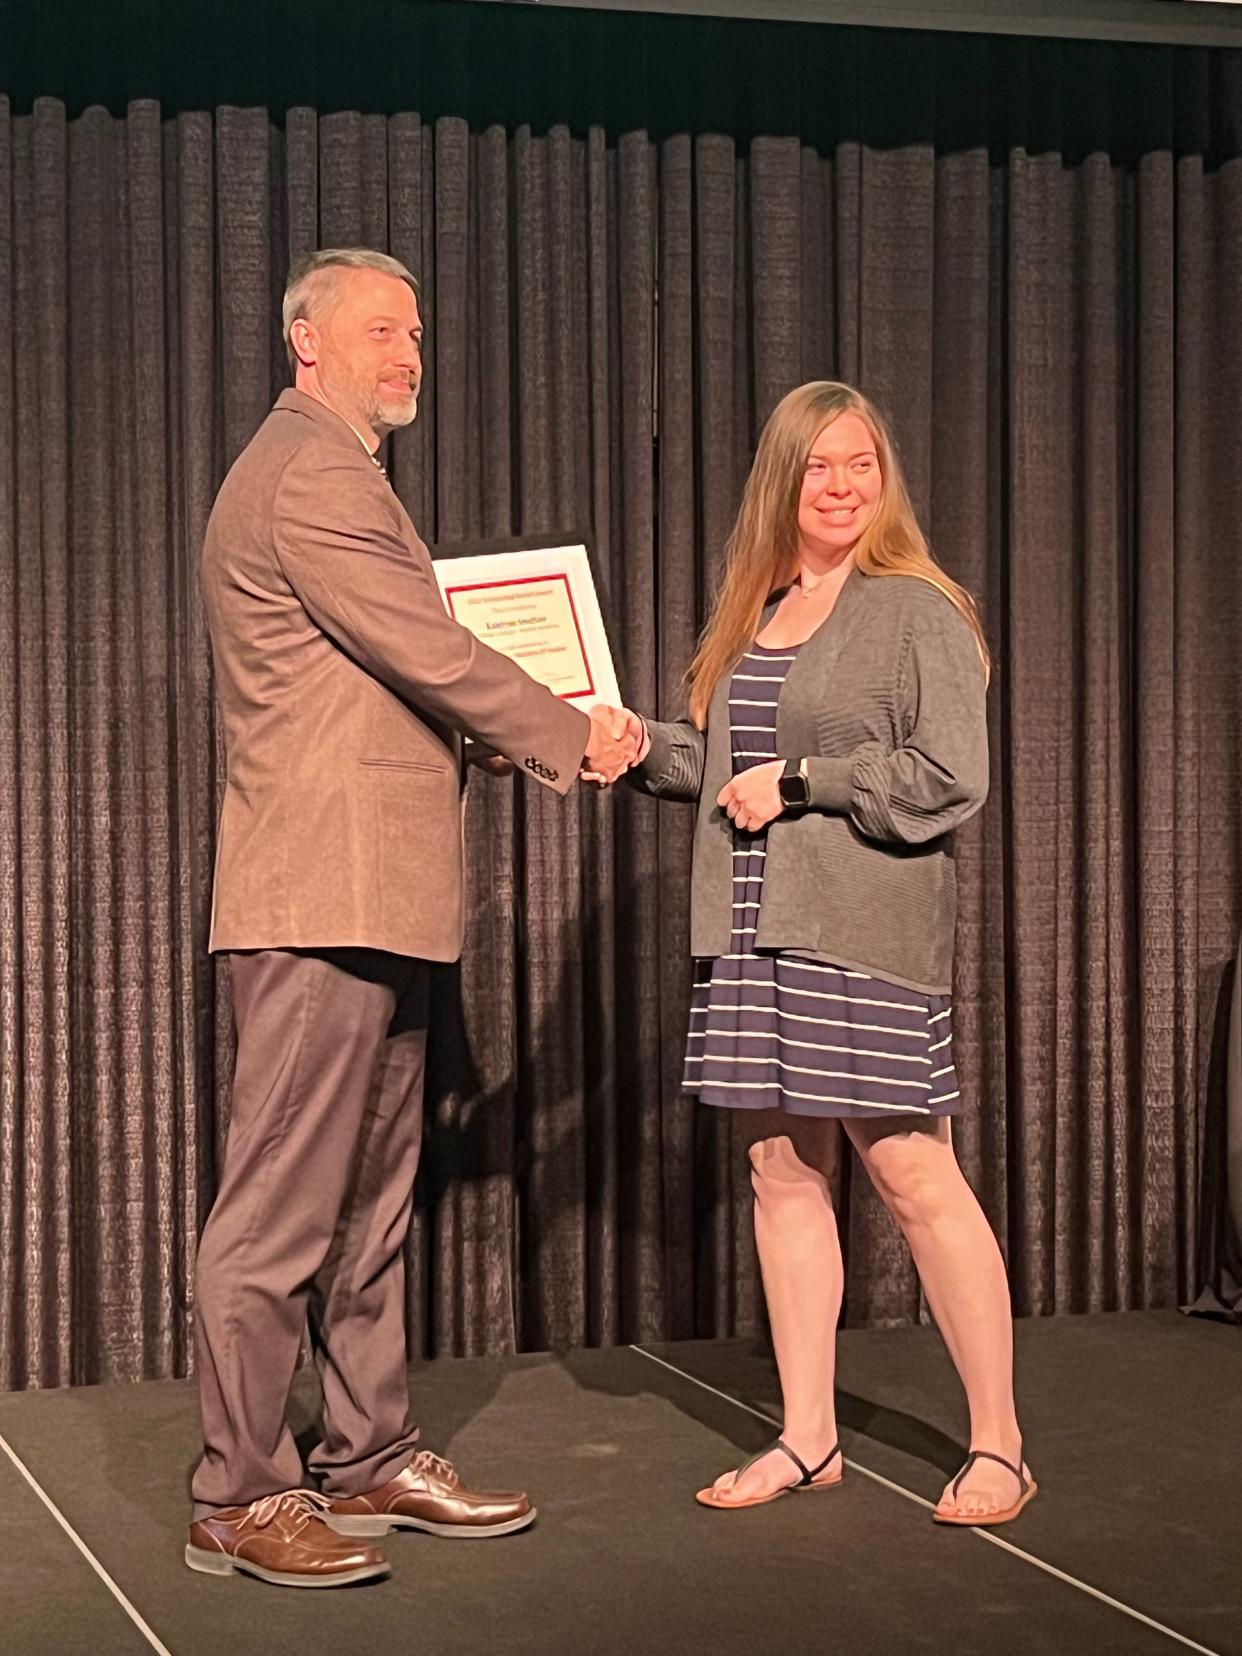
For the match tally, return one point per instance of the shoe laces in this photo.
(301, 1504)
(425, 1461)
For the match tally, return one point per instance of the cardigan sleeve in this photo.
(673, 768)
(938, 777)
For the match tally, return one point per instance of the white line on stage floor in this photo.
(86, 1552)
(982, 1534)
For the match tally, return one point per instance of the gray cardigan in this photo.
(886, 701)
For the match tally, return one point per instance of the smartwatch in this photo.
(794, 786)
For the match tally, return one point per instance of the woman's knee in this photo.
(915, 1174)
(778, 1174)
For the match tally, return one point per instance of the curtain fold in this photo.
(1054, 333)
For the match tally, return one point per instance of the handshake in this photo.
(618, 739)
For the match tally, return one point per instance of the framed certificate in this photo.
(538, 606)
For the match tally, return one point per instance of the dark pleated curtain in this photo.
(1056, 340)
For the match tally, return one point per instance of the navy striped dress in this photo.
(795, 1031)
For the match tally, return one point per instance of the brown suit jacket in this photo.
(343, 684)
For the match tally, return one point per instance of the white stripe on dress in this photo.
(810, 1069)
(815, 1046)
(830, 1023)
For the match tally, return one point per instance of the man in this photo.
(343, 687)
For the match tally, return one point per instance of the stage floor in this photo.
(1134, 1544)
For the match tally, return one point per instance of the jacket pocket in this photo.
(420, 766)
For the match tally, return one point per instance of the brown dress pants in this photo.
(311, 1220)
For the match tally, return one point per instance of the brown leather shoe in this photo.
(429, 1495)
(282, 1539)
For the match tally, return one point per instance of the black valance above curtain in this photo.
(620, 71)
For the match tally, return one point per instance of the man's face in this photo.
(369, 353)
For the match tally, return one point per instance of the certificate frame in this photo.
(535, 601)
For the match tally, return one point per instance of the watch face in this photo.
(794, 790)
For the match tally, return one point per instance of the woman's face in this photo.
(841, 488)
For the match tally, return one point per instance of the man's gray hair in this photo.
(310, 282)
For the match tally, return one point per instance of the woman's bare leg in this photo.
(913, 1167)
(793, 1160)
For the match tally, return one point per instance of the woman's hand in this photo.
(752, 799)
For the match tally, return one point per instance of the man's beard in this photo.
(393, 411)
(361, 399)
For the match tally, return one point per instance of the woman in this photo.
(836, 738)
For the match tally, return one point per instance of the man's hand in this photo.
(487, 759)
(752, 800)
(618, 740)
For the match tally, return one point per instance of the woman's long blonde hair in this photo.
(762, 551)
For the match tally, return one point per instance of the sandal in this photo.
(809, 1479)
(1027, 1490)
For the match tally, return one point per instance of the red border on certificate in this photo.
(534, 580)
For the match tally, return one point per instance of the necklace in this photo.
(833, 579)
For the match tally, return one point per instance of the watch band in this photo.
(794, 785)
